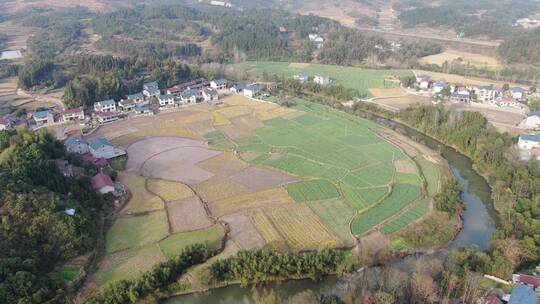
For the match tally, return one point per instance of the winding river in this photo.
(478, 227)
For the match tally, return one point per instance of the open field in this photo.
(398, 103)
(350, 77)
(295, 183)
(407, 218)
(457, 79)
(478, 60)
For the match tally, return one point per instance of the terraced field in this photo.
(258, 175)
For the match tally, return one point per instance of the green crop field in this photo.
(350, 77)
(173, 245)
(312, 190)
(131, 231)
(402, 195)
(431, 174)
(408, 217)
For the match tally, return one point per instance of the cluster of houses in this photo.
(96, 152)
(322, 80)
(515, 97)
(527, 23)
(525, 290)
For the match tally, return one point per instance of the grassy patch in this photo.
(118, 163)
(172, 245)
(312, 190)
(218, 141)
(131, 231)
(407, 218)
(336, 214)
(67, 274)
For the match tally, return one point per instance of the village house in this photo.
(528, 141)
(108, 105)
(424, 83)
(143, 110)
(76, 145)
(137, 98)
(43, 118)
(166, 100)
(175, 90)
(218, 84)
(210, 94)
(102, 148)
(317, 40)
(102, 183)
(508, 102)
(460, 97)
(302, 78)
(518, 93)
(532, 121)
(322, 80)
(487, 94)
(5, 124)
(106, 117)
(439, 86)
(252, 90)
(73, 114)
(189, 96)
(151, 89)
(238, 88)
(127, 105)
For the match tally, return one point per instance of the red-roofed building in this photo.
(492, 299)
(73, 114)
(525, 279)
(535, 152)
(5, 124)
(101, 162)
(103, 183)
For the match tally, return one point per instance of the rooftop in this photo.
(534, 113)
(99, 143)
(101, 180)
(106, 102)
(75, 141)
(220, 81)
(522, 294)
(73, 111)
(530, 137)
(135, 96)
(42, 114)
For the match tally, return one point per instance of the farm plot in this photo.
(257, 178)
(141, 200)
(402, 195)
(265, 198)
(187, 215)
(361, 198)
(169, 190)
(431, 173)
(336, 214)
(216, 140)
(218, 188)
(128, 264)
(224, 164)
(407, 218)
(243, 232)
(137, 230)
(350, 77)
(302, 228)
(312, 190)
(174, 244)
(268, 231)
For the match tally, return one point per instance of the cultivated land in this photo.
(254, 175)
(350, 77)
(478, 60)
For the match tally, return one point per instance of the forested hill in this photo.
(524, 48)
(36, 234)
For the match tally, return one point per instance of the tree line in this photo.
(35, 232)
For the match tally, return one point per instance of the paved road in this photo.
(433, 37)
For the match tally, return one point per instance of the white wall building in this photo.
(108, 105)
(528, 141)
(322, 80)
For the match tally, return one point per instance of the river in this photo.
(478, 227)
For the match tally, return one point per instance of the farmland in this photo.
(258, 175)
(350, 77)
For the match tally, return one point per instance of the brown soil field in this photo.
(298, 65)
(302, 228)
(142, 150)
(168, 190)
(202, 127)
(405, 166)
(141, 200)
(243, 232)
(224, 164)
(387, 92)
(234, 111)
(179, 165)
(218, 188)
(343, 11)
(257, 178)
(247, 122)
(261, 199)
(187, 215)
(403, 102)
(461, 79)
(235, 132)
(268, 231)
(471, 58)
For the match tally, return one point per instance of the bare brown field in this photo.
(224, 164)
(302, 228)
(457, 79)
(243, 232)
(218, 188)
(179, 165)
(478, 60)
(258, 178)
(261, 199)
(202, 127)
(298, 65)
(405, 166)
(392, 92)
(187, 215)
(340, 11)
(235, 132)
(268, 231)
(403, 102)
